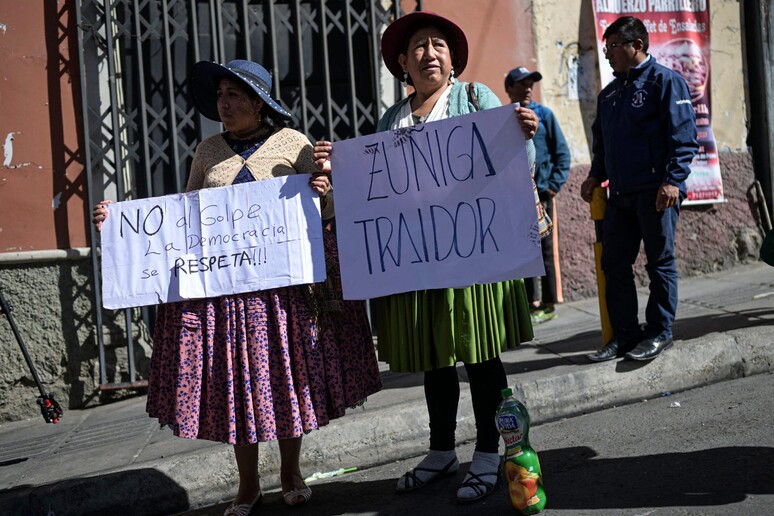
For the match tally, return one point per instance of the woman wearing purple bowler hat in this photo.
(432, 330)
(268, 365)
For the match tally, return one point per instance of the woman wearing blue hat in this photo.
(432, 330)
(268, 365)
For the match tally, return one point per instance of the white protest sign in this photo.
(212, 242)
(441, 205)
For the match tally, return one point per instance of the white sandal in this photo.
(243, 509)
(304, 493)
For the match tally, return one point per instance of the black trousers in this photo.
(442, 393)
(544, 288)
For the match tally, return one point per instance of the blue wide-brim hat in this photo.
(206, 75)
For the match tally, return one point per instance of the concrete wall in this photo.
(567, 56)
(44, 218)
(710, 238)
(53, 311)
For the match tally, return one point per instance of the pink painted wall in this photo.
(42, 189)
(499, 36)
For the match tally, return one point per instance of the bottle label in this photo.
(533, 501)
(524, 485)
(512, 440)
(507, 422)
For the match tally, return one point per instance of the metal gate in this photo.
(141, 128)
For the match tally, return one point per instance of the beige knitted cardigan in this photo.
(285, 152)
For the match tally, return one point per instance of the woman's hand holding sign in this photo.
(100, 213)
(321, 184)
(528, 120)
(322, 155)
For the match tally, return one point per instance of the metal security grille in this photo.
(141, 128)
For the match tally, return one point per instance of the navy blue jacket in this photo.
(552, 158)
(644, 131)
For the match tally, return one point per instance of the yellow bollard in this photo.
(598, 203)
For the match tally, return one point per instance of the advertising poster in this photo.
(679, 33)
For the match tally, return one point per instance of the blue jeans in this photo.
(629, 219)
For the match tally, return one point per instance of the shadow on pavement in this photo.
(684, 329)
(522, 366)
(137, 491)
(711, 477)
(378, 498)
(696, 327)
(391, 380)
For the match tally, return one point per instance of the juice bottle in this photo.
(522, 468)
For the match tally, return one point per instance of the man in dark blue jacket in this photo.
(644, 141)
(552, 165)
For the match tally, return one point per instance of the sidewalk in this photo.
(114, 459)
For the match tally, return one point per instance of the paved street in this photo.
(114, 459)
(705, 451)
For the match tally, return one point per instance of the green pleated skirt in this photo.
(430, 329)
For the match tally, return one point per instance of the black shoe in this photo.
(616, 348)
(649, 349)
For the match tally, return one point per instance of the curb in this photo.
(369, 438)
(688, 365)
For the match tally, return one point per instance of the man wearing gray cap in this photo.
(552, 165)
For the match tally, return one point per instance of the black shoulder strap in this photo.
(471, 89)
